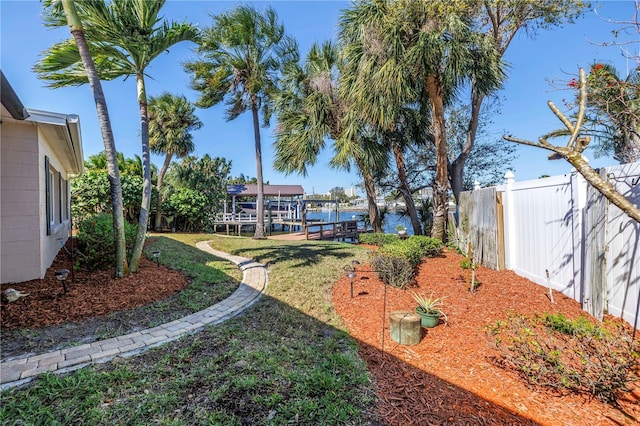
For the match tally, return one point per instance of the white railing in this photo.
(253, 218)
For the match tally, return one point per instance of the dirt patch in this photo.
(452, 365)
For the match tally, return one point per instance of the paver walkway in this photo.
(16, 372)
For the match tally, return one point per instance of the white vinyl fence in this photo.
(559, 231)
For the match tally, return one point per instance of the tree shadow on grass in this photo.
(273, 364)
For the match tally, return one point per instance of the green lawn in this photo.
(285, 360)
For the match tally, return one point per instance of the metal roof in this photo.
(248, 190)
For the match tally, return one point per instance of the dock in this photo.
(309, 230)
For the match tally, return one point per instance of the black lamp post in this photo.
(61, 275)
(156, 256)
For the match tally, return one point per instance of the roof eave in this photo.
(11, 101)
(72, 135)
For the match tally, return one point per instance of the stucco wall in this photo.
(19, 203)
(51, 244)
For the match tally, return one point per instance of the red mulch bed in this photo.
(89, 294)
(449, 377)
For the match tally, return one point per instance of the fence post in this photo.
(579, 197)
(510, 227)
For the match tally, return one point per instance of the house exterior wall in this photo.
(20, 222)
(26, 249)
(50, 244)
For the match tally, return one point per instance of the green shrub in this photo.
(397, 258)
(96, 243)
(574, 355)
(187, 210)
(91, 195)
(402, 249)
(428, 246)
(395, 271)
(377, 238)
(414, 249)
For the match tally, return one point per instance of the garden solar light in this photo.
(156, 255)
(61, 275)
(351, 275)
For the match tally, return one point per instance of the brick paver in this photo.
(19, 371)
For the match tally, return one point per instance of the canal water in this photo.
(391, 219)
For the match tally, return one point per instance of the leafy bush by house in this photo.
(575, 355)
(188, 210)
(96, 244)
(91, 195)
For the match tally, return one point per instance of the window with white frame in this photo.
(57, 206)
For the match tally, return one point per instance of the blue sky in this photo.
(533, 62)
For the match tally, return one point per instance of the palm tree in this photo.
(171, 120)
(405, 53)
(125, 36)
(130, 166)
(241, 59)
(69, 15)
(310, 110)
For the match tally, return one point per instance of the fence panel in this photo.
(622, 246)
(478, 225)
(562, 225)
(595, 225)
(542, 222)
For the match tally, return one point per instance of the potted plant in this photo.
(430, 309)
(402, 230)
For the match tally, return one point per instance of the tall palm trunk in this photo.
(143, 219)
(370, 189)
(117, 205)
(456, 168)
(161, 173)
(405, 191)
(259, 233)
(440, 190)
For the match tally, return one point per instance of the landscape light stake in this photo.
(351, 274)
(61, 275)
(384, 310)
(156, 255)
